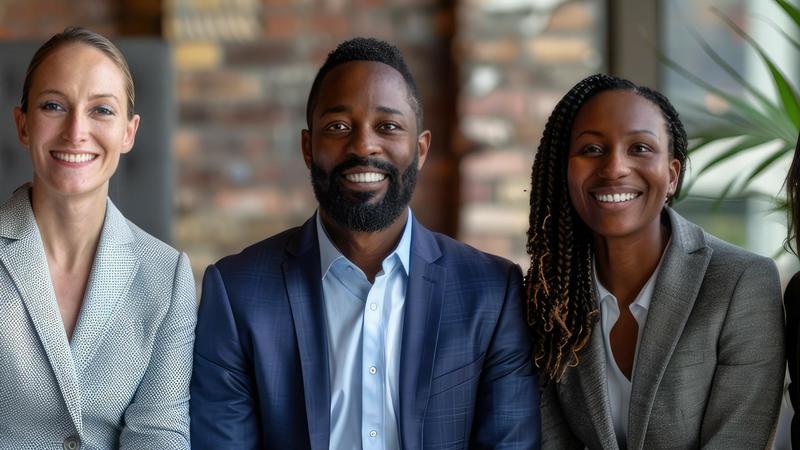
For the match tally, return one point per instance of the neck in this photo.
(69, 226)
(367, 250)
(625, 264)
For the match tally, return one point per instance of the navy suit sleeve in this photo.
(507, 409)
(223, 410)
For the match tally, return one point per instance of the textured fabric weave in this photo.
(122, 382)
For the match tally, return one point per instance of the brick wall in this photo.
(489, 71)
(244, 69)
(517, 58)
(40, 19)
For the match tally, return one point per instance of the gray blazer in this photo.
(709, 368)
(123, 379)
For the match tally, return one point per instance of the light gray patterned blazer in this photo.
(123, 379)
(709, 368)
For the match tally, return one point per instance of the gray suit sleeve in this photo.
(745, 397)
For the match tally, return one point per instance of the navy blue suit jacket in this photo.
(261, 376)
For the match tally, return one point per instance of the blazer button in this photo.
(72, 443)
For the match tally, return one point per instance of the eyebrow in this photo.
(632, 132)
(91, 97)
(387, 110)
(344, 108)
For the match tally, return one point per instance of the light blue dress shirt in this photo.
(365, 329)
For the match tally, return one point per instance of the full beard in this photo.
(354, 209)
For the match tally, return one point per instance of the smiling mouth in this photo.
(616, 198)
(365, 177)
(73, 157)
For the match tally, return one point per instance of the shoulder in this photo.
(155, 256)
(725, 256)
(459, 253)
(468, 264)
(736, 260)
(264, 255)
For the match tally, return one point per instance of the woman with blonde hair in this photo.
(98, 316)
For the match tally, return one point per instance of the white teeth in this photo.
(616, 198)
(73, 157)
(365, 177)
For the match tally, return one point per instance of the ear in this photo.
(674, 174)
(423, 144)
(20, 120)
(305, 146)
(130, 133)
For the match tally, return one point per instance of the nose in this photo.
(615, 165)
(364, 142)
(76, 128)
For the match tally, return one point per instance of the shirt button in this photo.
(373, 370)
(373, 306)
(72, 443)
(373, 433)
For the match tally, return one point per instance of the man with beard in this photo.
(363, 329)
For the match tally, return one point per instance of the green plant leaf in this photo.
(785, 91)
(733, 73)
(779, 30)
(745, 144)
(767, 162)
(791, 10)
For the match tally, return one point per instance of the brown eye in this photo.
(592, 149)
(389, 126)
(337, 126)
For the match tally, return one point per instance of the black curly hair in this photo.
(561, 309)
(366, 49)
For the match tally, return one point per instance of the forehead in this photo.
(620, 110)
(78, 66)
(363, 83)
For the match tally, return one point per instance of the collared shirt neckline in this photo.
(617, 385)
(329, 253)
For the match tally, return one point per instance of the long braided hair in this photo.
(561, 309)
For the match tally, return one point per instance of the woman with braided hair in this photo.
(650, 333)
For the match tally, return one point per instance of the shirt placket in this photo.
(373, 367)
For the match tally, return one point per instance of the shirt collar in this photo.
(645, 295)
(329, 254)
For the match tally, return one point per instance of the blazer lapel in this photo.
(423, 308)
(301, 272)
(25, 260)
(676, 289)
(591, 374)
(114, 267)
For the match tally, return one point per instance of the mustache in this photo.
(359, 161)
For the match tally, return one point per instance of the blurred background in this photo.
(236, 74)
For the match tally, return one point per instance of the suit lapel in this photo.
(423, 308)
(113, 269)
(301, 272)
(25, 260)
(677, 286)
(591, 373)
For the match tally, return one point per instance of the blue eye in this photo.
(51, 106)
(105, 111)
